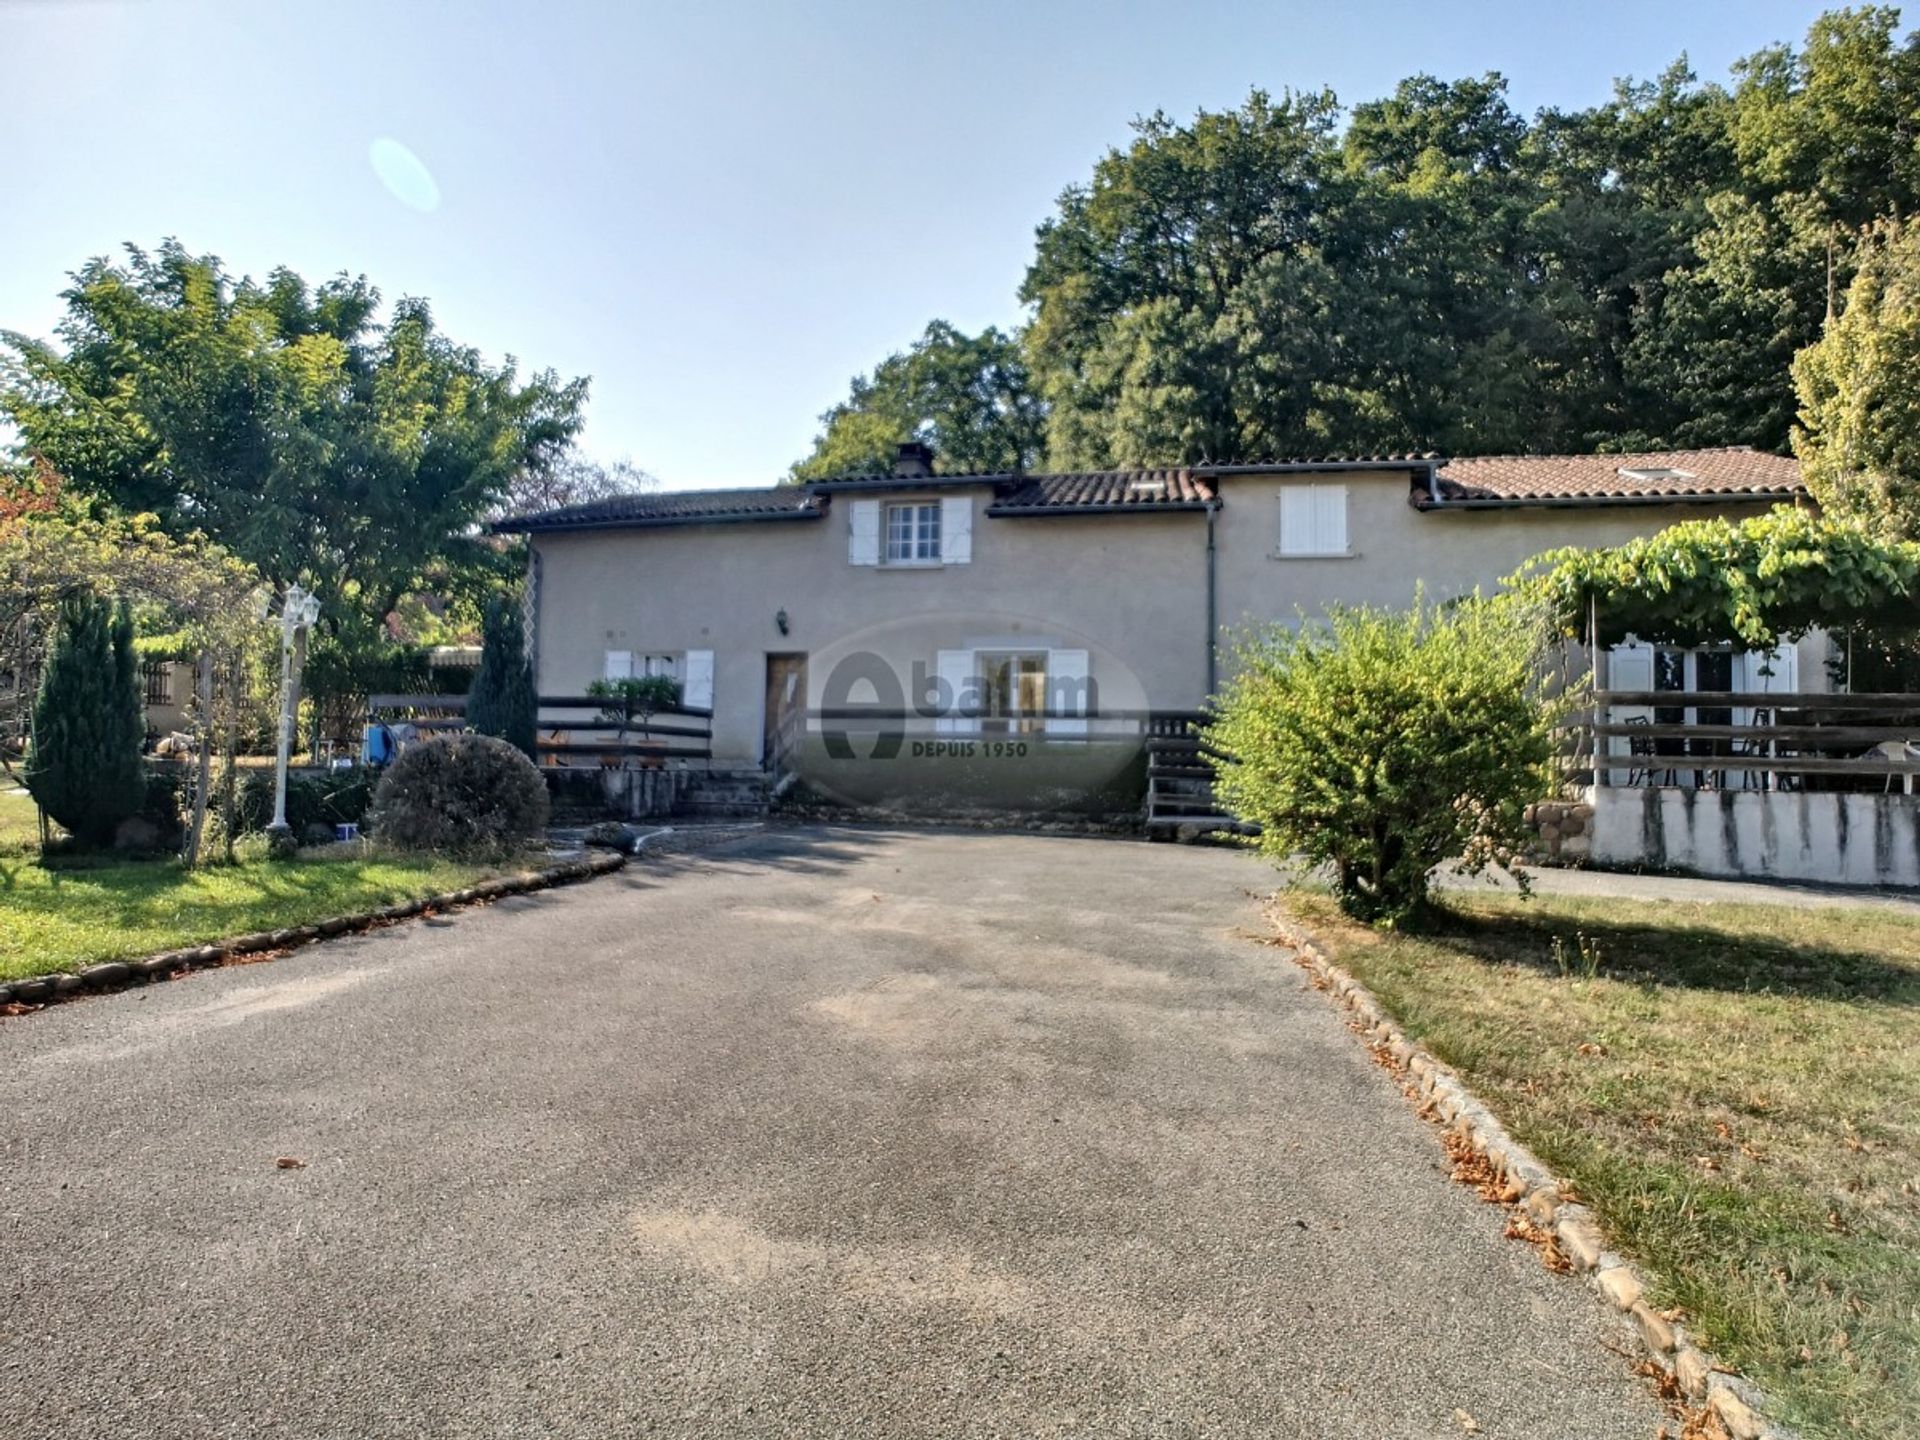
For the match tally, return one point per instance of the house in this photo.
(952, 624)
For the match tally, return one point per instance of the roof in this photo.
(1104, 492)
(1645, 477)
(674, 507)
(1733, 473)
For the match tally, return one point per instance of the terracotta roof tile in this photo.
(675, 507)
(1102, 490)
(1735, 471)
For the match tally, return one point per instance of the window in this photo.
(1313, 520)
(625, 665)
(159, 680)
(913, 533)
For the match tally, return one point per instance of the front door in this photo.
(786, 706)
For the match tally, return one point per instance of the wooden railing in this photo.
(1748, 740)
(573, 729)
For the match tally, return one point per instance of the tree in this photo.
(571, 479)
(969, 397)
(502, 701)
(286, 423)
(84, 767)
(1382, 744)
(1859, 388)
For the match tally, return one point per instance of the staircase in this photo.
(1180, 781)
(725, 795)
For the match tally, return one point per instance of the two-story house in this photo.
(1049, 609)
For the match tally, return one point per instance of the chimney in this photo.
(913, 460)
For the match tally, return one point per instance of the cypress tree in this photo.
(502, 701)
(88, 724)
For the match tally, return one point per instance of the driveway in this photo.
(828, 1133)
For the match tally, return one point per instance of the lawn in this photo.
(71, 913)
(1735, 1090)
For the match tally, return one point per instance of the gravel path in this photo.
(825, 1133)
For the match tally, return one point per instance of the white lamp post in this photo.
(298, 607)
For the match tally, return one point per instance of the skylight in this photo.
(1654, 472)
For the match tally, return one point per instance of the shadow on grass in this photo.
(1741, 957)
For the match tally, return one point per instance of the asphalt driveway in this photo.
(831, 1133)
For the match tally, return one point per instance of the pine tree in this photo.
(502, 701)
(84, 769)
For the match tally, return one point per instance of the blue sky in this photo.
(718, 211)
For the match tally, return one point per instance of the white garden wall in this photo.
(1761, 834)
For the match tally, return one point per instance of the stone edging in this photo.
(118, 974)
(1566, 1228)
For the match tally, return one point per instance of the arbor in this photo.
(1858, 436)
(502, 701)
(970, 397)
(287, 423)
(190, 599)
(1383, 744)
(84, 765)
(1707, 582)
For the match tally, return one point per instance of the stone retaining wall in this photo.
(1563, 831)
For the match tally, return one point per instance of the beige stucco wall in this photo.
(1130, 589)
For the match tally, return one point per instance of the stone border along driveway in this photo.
(110, 975)
(1505, 1172)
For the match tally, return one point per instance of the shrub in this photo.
(162, 804)
(501, 700)
(88, 724)
(1384, 743)
(342, 798)
(638, 695)
(460, 795)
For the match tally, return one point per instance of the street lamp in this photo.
(298, 607)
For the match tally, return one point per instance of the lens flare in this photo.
(404, 174)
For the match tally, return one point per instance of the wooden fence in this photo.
(574, 731)
(1718, 739)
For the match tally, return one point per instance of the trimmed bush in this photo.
(467, 795)
(343, 798)
(1382, 744)
(84, 768)
(501, 700)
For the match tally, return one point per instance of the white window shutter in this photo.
(954, 670)
(1068, 684)
(1629, 667)
(956, 530)
(1329, 519)
(863, 532)
(696, 692)
(1296, 520)
(619, 665)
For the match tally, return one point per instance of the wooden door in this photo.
(786, 710)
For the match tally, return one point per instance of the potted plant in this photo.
(637, 696)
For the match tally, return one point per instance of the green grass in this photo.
(1735, 1090)
(69, 913)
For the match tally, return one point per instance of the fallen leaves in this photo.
(289, 1162)
(1521, 1227)
(1466, 1422)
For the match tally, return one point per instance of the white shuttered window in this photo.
(1313, 520)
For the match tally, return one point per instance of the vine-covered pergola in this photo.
(1708, 582)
